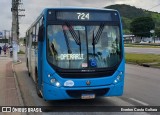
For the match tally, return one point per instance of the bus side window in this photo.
(36, 35)
(41, 30)
(33, 37)
(37, 30)
(30, 38)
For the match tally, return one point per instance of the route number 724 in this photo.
(83, 16)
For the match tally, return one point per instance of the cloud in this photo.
(5, 15)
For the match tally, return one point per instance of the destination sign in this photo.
(84, 16)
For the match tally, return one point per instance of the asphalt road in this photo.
(142, 88)
(143, 84)
(142, 50)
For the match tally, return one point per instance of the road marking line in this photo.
(143, 103)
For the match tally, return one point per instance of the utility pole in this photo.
(15, 26)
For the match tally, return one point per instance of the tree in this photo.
(157, 32)
(126, 25)
(141, 26)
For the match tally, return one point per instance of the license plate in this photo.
(87, 96)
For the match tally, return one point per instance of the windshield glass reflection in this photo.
(79, 47)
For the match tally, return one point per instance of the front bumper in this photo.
(51, 92)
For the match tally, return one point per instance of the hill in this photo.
(128, 13)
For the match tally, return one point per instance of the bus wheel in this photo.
(37, 89)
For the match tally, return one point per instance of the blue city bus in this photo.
(76, 53)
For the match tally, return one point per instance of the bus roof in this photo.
(78, 8)
(70, 8)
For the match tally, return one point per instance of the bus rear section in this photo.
(81, 55)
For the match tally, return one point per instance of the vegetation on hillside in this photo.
(129, 13)
(141, 26)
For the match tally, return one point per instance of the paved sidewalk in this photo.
(9, 91)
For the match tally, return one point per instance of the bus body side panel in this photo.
(33, 63)
(41, 57)
(40, 61)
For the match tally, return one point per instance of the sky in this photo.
(34, 7)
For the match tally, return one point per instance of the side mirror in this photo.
(41, 34)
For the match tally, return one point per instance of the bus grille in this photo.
(78, 93)
(85, 75)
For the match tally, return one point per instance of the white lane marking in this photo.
(138, 101)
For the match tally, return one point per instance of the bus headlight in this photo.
(55, 82)
(49, 75)
(118, 78)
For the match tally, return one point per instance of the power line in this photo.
(154, 6)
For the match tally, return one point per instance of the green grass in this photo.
(141, 59)
(142, 46)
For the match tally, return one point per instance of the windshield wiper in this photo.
(97, 37)
(74, 35)
(93, 44)
(79, 42)
(67, 42)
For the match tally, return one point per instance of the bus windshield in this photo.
(83, 46)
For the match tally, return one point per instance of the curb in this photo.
(143, 65)
(17, 84)
(20, 97)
